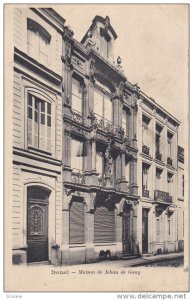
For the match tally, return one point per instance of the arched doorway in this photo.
(37, 224)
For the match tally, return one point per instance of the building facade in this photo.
(37, 132)
(94, 159)
(180, 202)
(158, 178)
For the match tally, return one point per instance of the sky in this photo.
(153, 44)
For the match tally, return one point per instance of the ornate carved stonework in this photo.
(68, 191)
(108, 161)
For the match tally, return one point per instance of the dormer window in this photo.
(105, 43)
(38, 40)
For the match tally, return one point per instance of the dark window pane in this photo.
(36, 116)
(36, 104)
(30, 100)
(49, 108)
(49, 121)
(43, 119)
(42, 106)
(29, 112)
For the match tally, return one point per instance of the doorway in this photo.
(126, 232)
(145, 230)
(37, 224)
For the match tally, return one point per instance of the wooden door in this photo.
(37, 225)
(126, 233)
(145, 230)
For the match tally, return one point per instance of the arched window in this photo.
(39, 123)
(38, 40)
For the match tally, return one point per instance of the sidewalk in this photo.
(145, 260)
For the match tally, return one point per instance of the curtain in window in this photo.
(127, 170)
(107, 109)
(39, 123)
(76, 154)
(77, 94)
(145, 135)
(99, 163)
(124, 120)
(98, 103)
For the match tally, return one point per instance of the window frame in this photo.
(41, 34)
(102, 89)
(36, 92)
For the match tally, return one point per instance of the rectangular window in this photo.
(76, 222)
(77, 155)
(159, 179)
(37, 46)
(103, 105)
(104, 224)
(169, 226)
(77, 94)
(124, 120)
(127, 169)
(39, 123)
(182, 185)
(170, 183)
(158, 229)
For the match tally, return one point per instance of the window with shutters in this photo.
(38, 41)
(104, 224)
(77, 221)
(39, 123)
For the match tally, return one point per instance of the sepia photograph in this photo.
(96, 147)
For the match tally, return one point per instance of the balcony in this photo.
(145, 193)
(106, 125)
(77, 116)
(158, 156)
(161, 196)
(169, 161)
(145, 150)
(77, 176)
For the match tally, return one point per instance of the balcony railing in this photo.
(145, 150)
(77, 176)
(169, 161)
(77, 116)
(162, 196)
(158, 156)
(145, 193)
(106, 125)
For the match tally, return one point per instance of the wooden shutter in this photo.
(104, 225)
(77, 223)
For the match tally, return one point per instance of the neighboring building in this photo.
(94, 159)
(157, 168)
(180, 202)
(37, 135)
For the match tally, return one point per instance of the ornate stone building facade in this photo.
(180, 202)
(80, 162)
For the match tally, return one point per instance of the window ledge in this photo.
(38, 150)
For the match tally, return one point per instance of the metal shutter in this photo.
(77, 223)
(104, 225)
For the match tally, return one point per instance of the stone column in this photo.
(116, 110)
(88, 162)
(89, 225)
(65, 227)
(136, 249)
(66, 157)
(133, 176)
(93, 155)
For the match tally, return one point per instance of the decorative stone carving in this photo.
(120, 206)
(68, 191)
(109, 161)
(68, 32)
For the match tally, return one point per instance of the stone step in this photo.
(128, 256)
